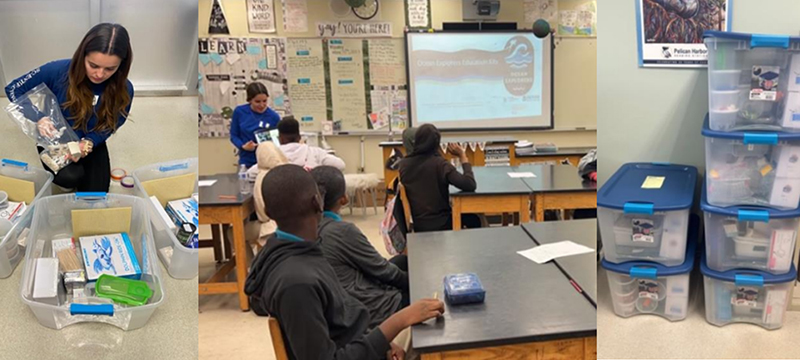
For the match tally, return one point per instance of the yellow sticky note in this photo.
(89, 222)
(766, 169)
(653, 182)
(18, 190)
(171, 188)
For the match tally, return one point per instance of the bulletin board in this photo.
(358, 84)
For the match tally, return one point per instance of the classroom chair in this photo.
(358, 186)
(277, 339)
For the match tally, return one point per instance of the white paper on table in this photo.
(202, 183)
(517, 175)
(544, 253)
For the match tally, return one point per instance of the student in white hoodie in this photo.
(303, 155)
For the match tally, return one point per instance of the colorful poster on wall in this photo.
(261, 16)
(670, 32)
(295, 16)
(227, 66)
(307, 82)
(216, 21)
(418, 14)
(540, 9)
(581, 21)
(348, 94)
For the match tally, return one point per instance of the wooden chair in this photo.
(277, 339)
(401, 191)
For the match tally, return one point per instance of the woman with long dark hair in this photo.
(95, 97)
(427, 176)
(250, 118)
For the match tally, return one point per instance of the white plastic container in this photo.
(180, 261)
(641, 287)
(747, 296)
(752, 168)
(759, 68)
(52, 219)
(749, 238)
(12, 245)
(643, 212)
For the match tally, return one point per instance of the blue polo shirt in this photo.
(244, 124)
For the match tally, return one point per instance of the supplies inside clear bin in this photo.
(752, 168)
(38, 114)
(184, 214)
(752, 81)
(740, 237)
(746, 296)
(643, 212)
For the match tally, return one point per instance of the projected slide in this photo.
(479, 80)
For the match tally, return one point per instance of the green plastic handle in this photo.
(122, 290)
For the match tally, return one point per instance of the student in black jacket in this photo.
(293, 282)
(427, 177)
(381, 285)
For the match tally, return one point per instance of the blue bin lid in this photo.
(625, 187)
(750, 136)
(747, 276)
(645, 268)
(747, 213)
(767, 40)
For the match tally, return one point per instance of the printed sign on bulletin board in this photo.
(670, 33)
(227, 66)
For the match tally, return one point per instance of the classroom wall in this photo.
(657, 114)
(575, 90)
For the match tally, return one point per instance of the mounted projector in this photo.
(480, 9)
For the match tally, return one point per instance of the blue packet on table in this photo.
(463, 288)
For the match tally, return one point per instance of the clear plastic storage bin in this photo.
(753, 81)
(643, 212)
(752, 168)
(641, 287)
(52, 219)
(12, 241)
(180, 261)
(747, 296)
(749, 237)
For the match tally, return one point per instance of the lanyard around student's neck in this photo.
(282, 235)
(332, 215)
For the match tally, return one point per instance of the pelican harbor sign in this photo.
(354, 29)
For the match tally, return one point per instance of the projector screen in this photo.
(480, 80)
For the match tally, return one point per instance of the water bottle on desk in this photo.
(244, 185)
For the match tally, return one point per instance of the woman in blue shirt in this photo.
(95, 97)
(250, 117)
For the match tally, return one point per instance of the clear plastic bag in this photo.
(38, 114)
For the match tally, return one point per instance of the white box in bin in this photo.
(109, 254)
(794, 73)
(791, 110)
(788, 161)
(183, 210)
(785, 193)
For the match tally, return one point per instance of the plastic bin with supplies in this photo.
(752, 168)
(643, 287)
(181, 262)
(747, 237)
(12, 242)
(643, 212)
(747, 296)
(753, 81)
(52, 219)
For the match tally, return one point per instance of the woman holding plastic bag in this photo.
(95, 99)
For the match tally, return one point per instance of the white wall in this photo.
(657, 114)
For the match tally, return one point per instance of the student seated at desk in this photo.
(291, 280)
(269, 157)
(427, 176)
(587, 169)
(379, 284)
(303, 155)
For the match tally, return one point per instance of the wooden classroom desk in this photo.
(496, 193)
(580, 268)
(234, 211)
(476, 157)
(558, 187)
(531, 311)
(574, 156)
